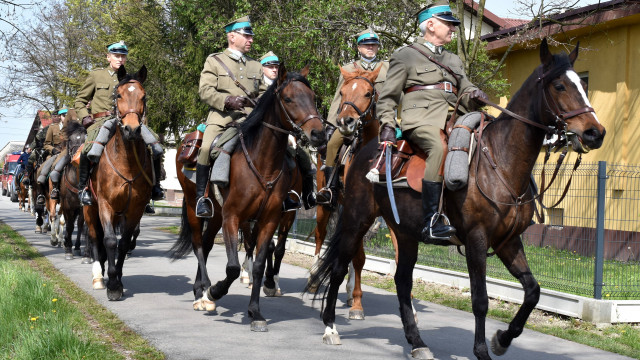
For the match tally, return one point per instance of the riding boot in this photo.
(308, 195)
(83, 174)
(328, 195)
(157, 193)
(55, 192)
(148, 209)
(40, 200)
(204, 206)
(322, 149)
(434, 227)
(289, 204)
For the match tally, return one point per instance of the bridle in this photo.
(120, 116)
(371, 109)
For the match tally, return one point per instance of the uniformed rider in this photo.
(427, 91)
(97, 93)
(228, 100)
(368, 43)
(52, 146)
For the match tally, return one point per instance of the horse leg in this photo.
(356, 312)
(246, 274)
(322, 220)
(513, 257)
(476, 254)
(269, 284)
(202, 245)
(110, 240)
(230, 232)
(278, 255)
(263, 244)
(79, 227)
(407, 256)
(68, 253)
(95, 236)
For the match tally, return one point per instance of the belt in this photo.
(101, 114)
(445, 86)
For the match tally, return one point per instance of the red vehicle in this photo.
(8, 170)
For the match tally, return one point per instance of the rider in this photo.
(227, 101)
(37, 152)
(431, 87)
(368, 43)
(55, 143)
(270, 64)
(98, 90)
(22, 163)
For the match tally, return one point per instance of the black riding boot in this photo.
(328, 195)
(204, 206)
(83, 176)
(434, 228)
(55, 192)
(157, 193)
(40, 200)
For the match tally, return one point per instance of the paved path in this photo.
(158, 297)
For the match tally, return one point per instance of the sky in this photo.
(15, 122)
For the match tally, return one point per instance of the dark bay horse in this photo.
(70, 205)
(259, 180)
(121, 184)
(490, 212)
(24, 202)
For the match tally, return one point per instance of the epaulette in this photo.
(218, 53)
(401, 48)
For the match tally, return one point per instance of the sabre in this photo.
(392, 199)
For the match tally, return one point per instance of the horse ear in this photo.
(122, 72)
(305, 70)
(282, 73)
(545, 54)
(574, 54)
(374, 74)
(345, 73)
(141, 75)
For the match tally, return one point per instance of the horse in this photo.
(24, 202)
(70, 205)
(260, 178)
(494, 208)
(46, 213)
(356, 120)
(121, 184)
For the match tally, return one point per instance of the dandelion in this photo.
(44, 284)
(54, 311)
(54, 300)
(608, 295)
(34, 318)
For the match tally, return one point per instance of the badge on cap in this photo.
(269, 59)
(242, 26)
(118, 48)
(439, 10)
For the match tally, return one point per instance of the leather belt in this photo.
(445, 86)
(101, 114)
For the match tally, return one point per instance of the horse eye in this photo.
(559, 87)
(287, 100)
(367, 95)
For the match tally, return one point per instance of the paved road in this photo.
(158, 297)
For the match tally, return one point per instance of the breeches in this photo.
(333, 147)
(210, 134)
(92, 133)
(427, 138)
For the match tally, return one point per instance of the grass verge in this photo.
(46, 316)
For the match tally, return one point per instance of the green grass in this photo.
(45, 316)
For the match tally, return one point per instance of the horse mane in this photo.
(74, 128)
(251, 126)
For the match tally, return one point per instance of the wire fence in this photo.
(588, 245)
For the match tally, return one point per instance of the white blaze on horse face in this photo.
(355, 85)
(576, 80)
(131, 88)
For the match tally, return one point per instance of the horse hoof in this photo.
(204, 305)
(54, 242)
(39, 229)
(422, 353)
(312, 289)
(356, 314)
(250, 286)
(259, 326)
(331, 339)
(98, 284)
(496, 348)
(116, 294)
(68, 256)
(86, 260)
(269, 292)
(77, 252)
(349, 302)
(278, 292)
(245, 279)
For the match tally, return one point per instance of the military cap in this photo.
(367, 36)
(118, 48)
(269, 59)
(62, 111)
(440, 9)
(242, 26)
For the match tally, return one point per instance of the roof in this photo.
(42, 119)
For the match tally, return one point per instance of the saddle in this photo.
(407, 164)
(189, 149)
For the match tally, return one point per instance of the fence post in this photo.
(599, 264)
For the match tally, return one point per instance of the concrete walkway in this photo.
(158, 298)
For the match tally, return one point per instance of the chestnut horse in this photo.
(259, 180)
(24, 202)
(121, 184)
(490, 212)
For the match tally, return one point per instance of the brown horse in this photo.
(490, 212)
(24, 202)
(259, 181)
(356, 120)
(121, 184)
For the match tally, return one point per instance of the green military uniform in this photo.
(424, 112)
(55, 138)
(37, 146)
(336, 139)
(216, 85)
(97, 89)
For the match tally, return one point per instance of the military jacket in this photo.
(97, 89)
(408, 67)
(216, 85)
(55, 138)
(351, 67)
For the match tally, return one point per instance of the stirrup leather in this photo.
(200, 199)
(432, 223)
(324, 190)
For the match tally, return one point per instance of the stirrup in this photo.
(297, 204)
(328, 202)
(432, 223)
(54, 194)
(202, 198)
(41, 200)
(85, 197)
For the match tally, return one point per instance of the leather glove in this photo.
(478, 95)
(87, 121)
(328, 131)
(388, 134)
(55, 151)
(235, 102)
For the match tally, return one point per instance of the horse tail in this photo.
(322, 275)
(183, 245)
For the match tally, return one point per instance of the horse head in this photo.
(130, 102)
(564, 96)
(298, 111)
(76, 134)
(359, 97)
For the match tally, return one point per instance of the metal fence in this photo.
(589, 244)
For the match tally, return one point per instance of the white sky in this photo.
(508, 8)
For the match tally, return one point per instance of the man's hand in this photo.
(87, 121)
(478, 95)
(55, 151)
(388, 134)
(235, 102)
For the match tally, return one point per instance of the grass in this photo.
(46, 316)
